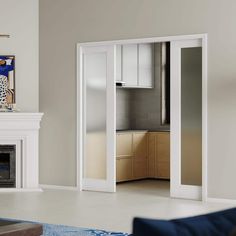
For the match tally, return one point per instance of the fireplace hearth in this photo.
(7, 166)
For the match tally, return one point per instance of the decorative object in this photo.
(7, 83)
(4, 35)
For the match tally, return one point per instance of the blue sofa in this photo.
(220, 223)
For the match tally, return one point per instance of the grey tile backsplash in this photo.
(123, 109)
(141, 108)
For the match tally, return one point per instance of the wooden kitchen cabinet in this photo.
(159, 155)
(124, 156)
(163, 155)
(124, 144)
(140, 160)
(140, 170)
(142, 154)
(140, 145)
(152, 155)
(124, 169)
(131, 155)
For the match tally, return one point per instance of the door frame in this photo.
(79, 104)
(178, 189)
(107, 184)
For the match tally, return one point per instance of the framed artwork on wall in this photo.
(7, 82)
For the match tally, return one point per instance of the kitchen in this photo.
(143, 112)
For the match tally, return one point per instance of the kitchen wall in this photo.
(141, 108)
(146, 103)
(64, 23)
(20, 20)
(123, 108)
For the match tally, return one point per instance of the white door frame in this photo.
(179, 190)
(79, 105)
(107, 184)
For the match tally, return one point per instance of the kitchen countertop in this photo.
(131, 130)
(142, 130)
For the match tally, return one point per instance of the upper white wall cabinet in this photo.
(145, 65)
(129, 65)
(118, 63)
(135, 65)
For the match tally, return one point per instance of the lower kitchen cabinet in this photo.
(163, 170)
(159, 155)
(142, 154)
(152, 154)
(163, 155)
(140, 147)
(124, 169)
(140, 157)
(140, 170)
(124, 144)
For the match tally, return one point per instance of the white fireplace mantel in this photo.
(22, 129)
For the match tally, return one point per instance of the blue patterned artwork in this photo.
(7, 81)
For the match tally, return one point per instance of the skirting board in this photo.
(222, 200)
(20, 190)
(57, 187)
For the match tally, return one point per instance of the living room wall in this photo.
(19, 19)
(63, 23)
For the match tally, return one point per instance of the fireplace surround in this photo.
(19, 136)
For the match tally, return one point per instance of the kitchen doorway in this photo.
(96, 130)
(143, 117)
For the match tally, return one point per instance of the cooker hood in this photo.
(120, 83)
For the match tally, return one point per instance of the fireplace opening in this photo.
(7, 166)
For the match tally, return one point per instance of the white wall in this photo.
(19, 18)
(63, 23)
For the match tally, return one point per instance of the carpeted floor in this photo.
(62, 230)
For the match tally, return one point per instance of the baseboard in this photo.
(57, 187)
(20, 190)
(221, 200)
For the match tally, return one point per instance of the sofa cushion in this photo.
(217, 224)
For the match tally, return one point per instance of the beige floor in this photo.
(102, 210)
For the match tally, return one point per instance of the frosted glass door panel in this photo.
(95, 77)
(186, 118)
(191, 116)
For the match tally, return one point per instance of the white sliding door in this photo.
(186, 119)
(98, 119)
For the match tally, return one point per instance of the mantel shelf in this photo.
(20, 120)
(21, 115)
